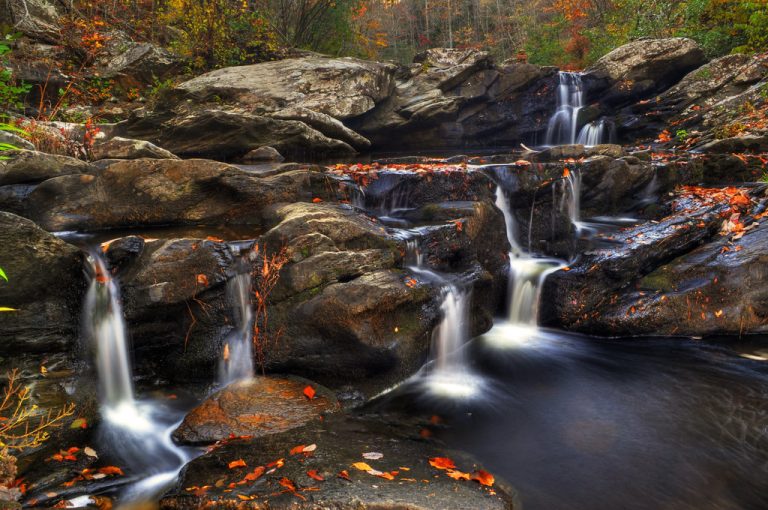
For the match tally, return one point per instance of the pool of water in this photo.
(577, 423)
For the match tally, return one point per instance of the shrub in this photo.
(12, 92)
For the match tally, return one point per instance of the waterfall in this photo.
(448, 373)
(572, 197)
(105, 326)
(526, 277)
(237, 357)
(563, 127)
(564, 124)
(135, 432)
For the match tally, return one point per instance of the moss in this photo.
(658, 280)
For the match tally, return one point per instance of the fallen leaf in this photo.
(255, 474)
(297, 449)
(373, 455)
(288, 484)
(202, 279)
(317, 200)
(314, 475)
(309, 392)
(457, 475)
(90, 452)
(362, 466)
(237, 464)
(243, 497)
(442, 463)
(483, 477)
(111, 470)
(344, 474)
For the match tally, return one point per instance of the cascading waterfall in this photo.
(526, 277)
(136, 432)
(572, 197)
(564, 124)
(563, 127)
(237, 358)
(449, 373)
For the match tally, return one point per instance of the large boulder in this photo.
(339, 87)
(45, 284)
(449, 98)
(256, 407)
(165, 192)
(125, 148)
(645, 67)
(323, 475)
(191, 129)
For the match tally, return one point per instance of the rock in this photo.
(193, 130)
(165, 192)
(452, 98)
(645, 67)
(258, 407)
(45, 285)
(16, 140)
(124, 148)
(32, 167)
(560, 152)
(324, 123)
(38, 19)
(263, 154)
(746, 143)
(339, 87)
(339, 442)
(135, 64)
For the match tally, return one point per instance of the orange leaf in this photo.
(288, 484)
(387, 476)
(255, 474)
(237, 464)
(111, 470)
(202, 279)
(566, 173)
(313, 474)
(457, 475)
(309, 392)
(344, 474)
(243, 497)
(362, 466)
(317, 200)
(483, 477)
(522, 162)
(297, 449)
(442, 463)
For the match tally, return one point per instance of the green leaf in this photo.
(3, 275)
(4, 126)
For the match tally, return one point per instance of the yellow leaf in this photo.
(362, 466)
(6, 309)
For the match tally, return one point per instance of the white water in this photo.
(236, 362)
(563, 127)
(137, 433)
(526, 278)
(448, 374)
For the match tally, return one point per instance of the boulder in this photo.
(339, 87)
(645, 67)
(125, 148)
(45, 284)
(336, 444)
(223, 133)
(136, 64)
(263, 154)
(38, 19)
(257, 407)
(324, 123)
(166, 192)
(32, 167)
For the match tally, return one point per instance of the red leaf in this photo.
(313, 474)
(255, 474)
(297, 449)
(309, 392)
(483, 477)
(344, 474)
(442, 463)
(237, 464)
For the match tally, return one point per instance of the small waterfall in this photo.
(592, 134)
(449, 372)
(104, 324)
(564, 124)
(137, 433)
(526, 277)
(237, 357)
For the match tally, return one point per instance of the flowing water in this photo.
(237, 358)
(565, 125)
(136, 432)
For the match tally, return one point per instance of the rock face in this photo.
(341, 88)
(45, 284)
(645, 67)
(674, 277)
(339, 442)
(32, 167)
(134, 64)
(163, 192)
(36, 18)
(257, 407)
(124, 148)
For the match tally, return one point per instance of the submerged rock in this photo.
(258, 407)
(324, 476)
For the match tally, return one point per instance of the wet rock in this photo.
(338, 443)
(45, 284)
(560, 152)
(166, 192)
(645, 67)
(263, 154)
(31, 167)
(192, 129)
(746, 143)
(258, 407)
(124, 148)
